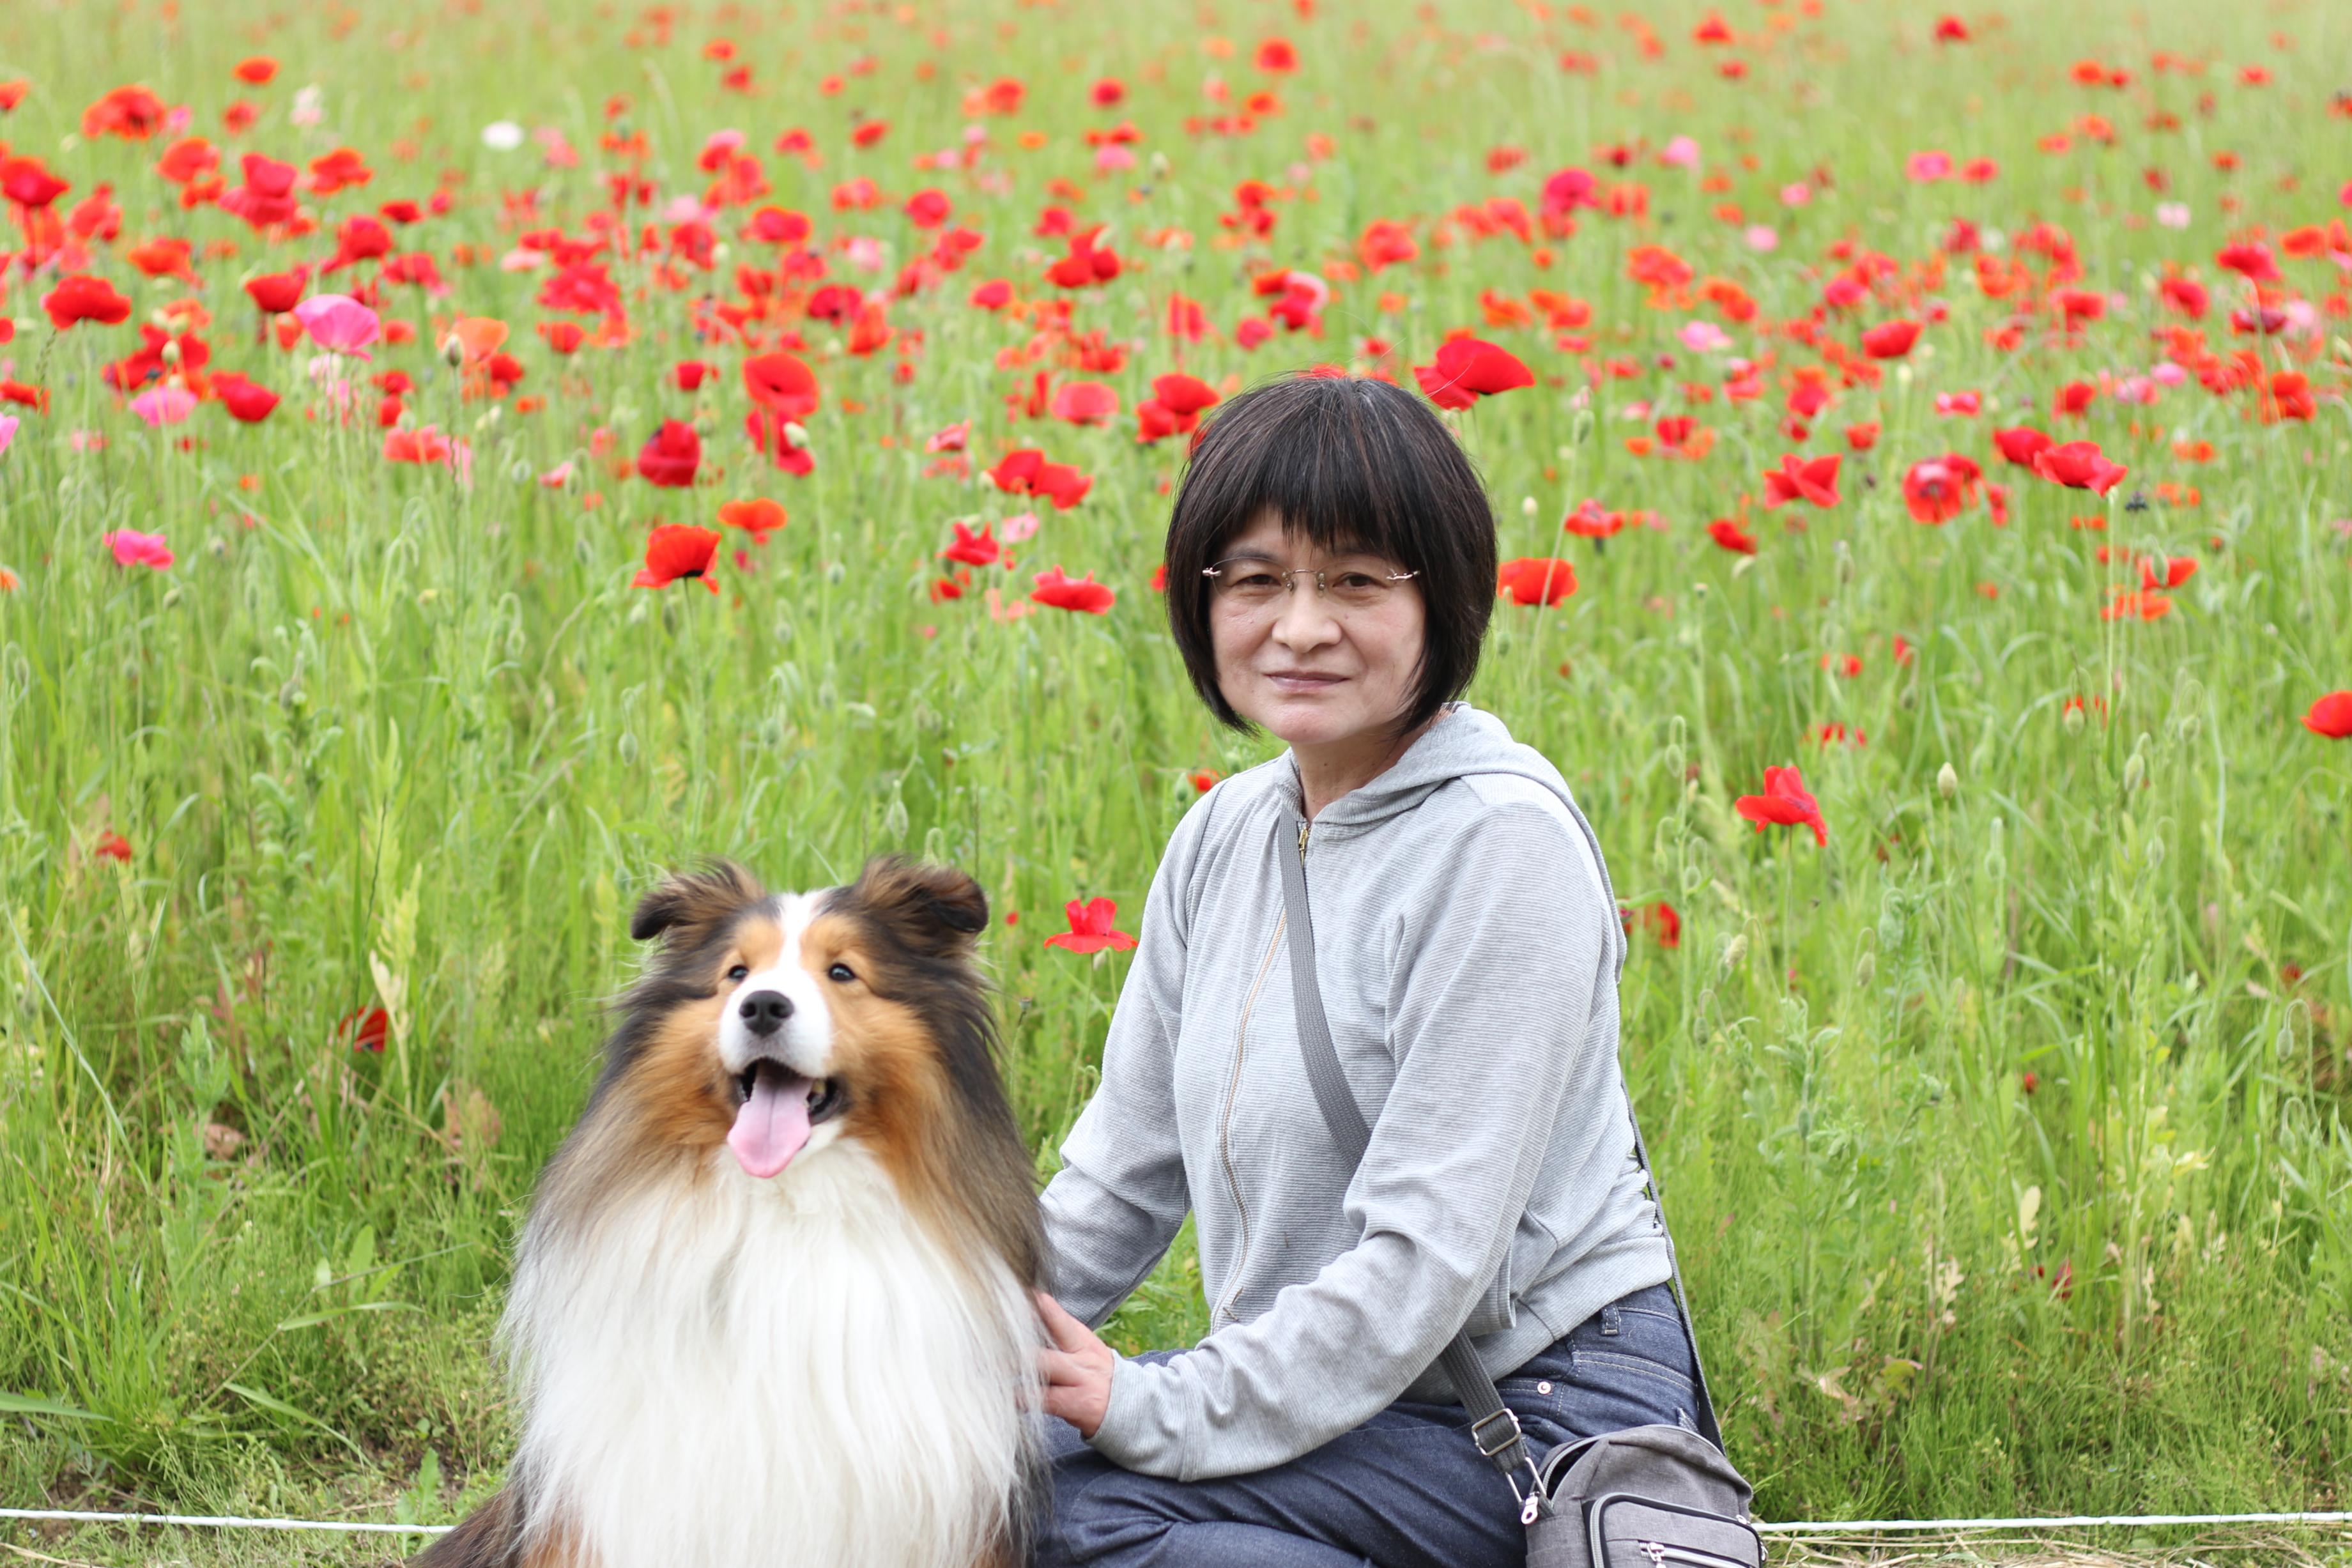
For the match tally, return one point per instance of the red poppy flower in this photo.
(758, 517)
(1666, 923)
(1590, 520)
(1026, 472)
(2331, 716)
(277, 292)
(2186, 296)
(1890, 339)
(1174, 407)
(255, 70)
(133, 113)
(781, 384)
(563, 337)
(679, 552)
(974, 549)
(928, 208)
(2166, 570)
(82, 298)
(26, 180)
(1803, 479)
(1785, 801)
(113, 846)
(1727, 533)
(670, 458)
(1468, 369)
(690, 373)
(1277, 57)
(1536, 580)
(1068, 594)
(2079, 465)
(366, 1027)
(338, 170)
(2022, 445)
(992, 295)
(1090, 928)
(1937, 489)
(1084, 266)
(2142, 604)
(1862, 437)
(2250, 258)
(267, 198)
(1085, 403)
(247, 402)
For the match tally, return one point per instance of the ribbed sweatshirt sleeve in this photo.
(1497, 958)
(1120, 1197)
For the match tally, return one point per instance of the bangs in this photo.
(1350, 464)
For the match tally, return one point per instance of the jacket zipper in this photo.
(1232, 1093)
(1225, 1124)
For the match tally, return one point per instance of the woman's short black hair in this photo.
(1353, 463)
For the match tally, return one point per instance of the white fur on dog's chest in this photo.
(745, 1373)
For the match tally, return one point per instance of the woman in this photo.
(1330, 574)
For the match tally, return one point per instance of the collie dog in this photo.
(772, 1305)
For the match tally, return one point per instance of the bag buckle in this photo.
(1510, 1424)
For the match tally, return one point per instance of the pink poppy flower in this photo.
(135, 549)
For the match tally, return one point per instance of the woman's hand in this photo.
(1076, 1371)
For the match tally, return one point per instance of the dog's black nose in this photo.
(764, 1012)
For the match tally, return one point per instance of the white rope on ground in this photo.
(1805, 1527)
(224, 1521)
(2065, 1521)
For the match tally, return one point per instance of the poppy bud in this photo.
(795, 436)
(2155, 850)
(2135, 767)
(1844, 561)
(170, 351)
(719, 254)
(170, 596)
(1526, 506)
(1865, 968)
(452, 353)
(706, 424)
(1735, 952)
(2074, 719)
(1948, 781)
(1160, 167)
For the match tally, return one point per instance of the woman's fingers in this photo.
(1067, 1333)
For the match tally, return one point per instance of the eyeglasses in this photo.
(1244, 584)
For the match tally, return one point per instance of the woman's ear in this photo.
(685, 902)
(931, 908)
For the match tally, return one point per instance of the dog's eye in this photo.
(842, 973)
(739, 972)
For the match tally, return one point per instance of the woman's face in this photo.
(1308, 670)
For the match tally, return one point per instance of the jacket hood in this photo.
(1464, 739)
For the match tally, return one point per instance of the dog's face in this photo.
(777, 1025)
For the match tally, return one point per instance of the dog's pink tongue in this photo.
(773, 1124)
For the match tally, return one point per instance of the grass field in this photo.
(2004, 1131)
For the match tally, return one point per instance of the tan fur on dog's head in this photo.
(886, 990)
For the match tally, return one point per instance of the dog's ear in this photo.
(686, 902)
(931, 908)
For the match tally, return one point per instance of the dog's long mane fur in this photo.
(829, 1368)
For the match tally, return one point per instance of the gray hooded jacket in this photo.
(1468, 945)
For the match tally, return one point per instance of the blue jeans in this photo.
(1408, 1488)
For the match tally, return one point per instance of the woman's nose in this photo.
(1306, 619)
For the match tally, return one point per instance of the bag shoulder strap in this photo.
(1493, 1427)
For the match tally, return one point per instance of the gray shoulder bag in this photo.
(1637, 1499)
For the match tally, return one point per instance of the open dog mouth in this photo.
(776, 1111)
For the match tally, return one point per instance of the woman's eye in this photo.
(842, 973)
(739, 972)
